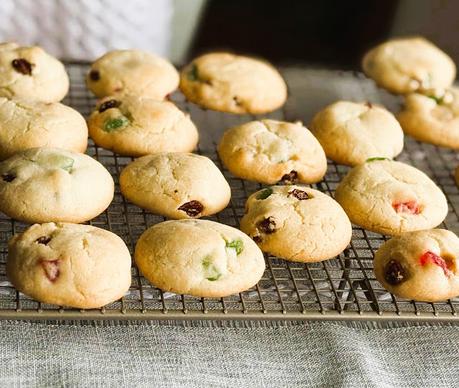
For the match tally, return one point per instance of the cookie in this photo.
(233, 83)
(432, 117)
(28, 124)
(175, 185)
(54, 185)
(72, 265)
(199, 257)
(136, 126)
(296, 223)
(406, 65)
(421, 265)
(270, 151)
(350, 132)
(30, 72)
(132, 72)
(391, 198)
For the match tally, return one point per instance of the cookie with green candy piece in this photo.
(51, 185)
(352, 132)
(233, 83)
(138, 125)
(199, 257)
(432, 116)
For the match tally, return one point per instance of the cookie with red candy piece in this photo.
(390, 197)
(420, 265)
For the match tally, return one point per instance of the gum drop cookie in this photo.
(72, 265)
(28, 124)
(406, 65)
(136, 126)
(432, 117)
(200, 258)
(391, 198)
(176, 185)
(269, 151)
(53, 185)
(233, 83)
(30, 72)
(350, 132)
(296, 223)
(132, 72)
(420, 265)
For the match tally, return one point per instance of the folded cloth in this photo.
(241, 354)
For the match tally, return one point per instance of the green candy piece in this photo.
(237, 245)
(193, 74)
(438, 100)
(211, 273)
(376, 158)
(56, 161)
(112, 125)
(265, 193)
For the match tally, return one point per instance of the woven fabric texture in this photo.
(85, 29)
(309, 354)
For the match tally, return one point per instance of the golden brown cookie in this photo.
(420, 265)
(269, 151)
(233, 83)
(406, 65)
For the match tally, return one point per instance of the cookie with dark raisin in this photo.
(72, 265)
(199, 257)
(31, 73)
(176, 185)
(137, 72)
(296, 223)
(271, 151)
(53, 185)
(421, 265)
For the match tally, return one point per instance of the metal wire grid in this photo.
(342, 288)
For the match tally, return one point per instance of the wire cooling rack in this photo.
(341, 288)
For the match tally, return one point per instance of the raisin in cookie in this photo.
(54, 185)
(176, 185)
(270, 151)
(391, 198)
(432, 117)
(233, 83)
(28, 124)
(199, 257)
(296, 223)
(31, 73)
(406, 65)
(136, 126)
(68, 264)
(351, 132)
(420, 265)
(132, 72)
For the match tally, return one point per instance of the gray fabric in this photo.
(307, 354)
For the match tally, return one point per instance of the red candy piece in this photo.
(437, 260)
(410, 207)
(51, 268)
